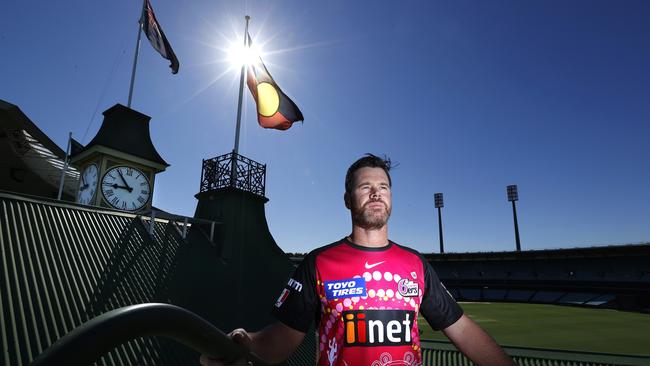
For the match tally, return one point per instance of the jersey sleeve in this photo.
(297, 306)
(438, 306)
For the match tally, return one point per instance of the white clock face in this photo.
(126, 188)
(88, 184)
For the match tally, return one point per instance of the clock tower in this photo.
(119, 166)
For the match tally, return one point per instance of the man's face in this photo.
(370, 198)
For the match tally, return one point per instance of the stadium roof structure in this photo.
(65, 263)
(585, 252)
(32, 162)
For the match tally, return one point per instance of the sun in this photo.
(239, 55)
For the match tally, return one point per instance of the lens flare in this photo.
(239, 55)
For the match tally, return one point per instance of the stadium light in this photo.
(513, 196)
(512, 193)
(437, 197)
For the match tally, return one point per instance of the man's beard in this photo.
(370, 218)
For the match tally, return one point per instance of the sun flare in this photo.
(239, 55)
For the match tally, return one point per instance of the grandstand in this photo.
(615, 277)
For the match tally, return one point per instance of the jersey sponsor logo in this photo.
(370, 266)
(340, 289)
(295, 285)
(367, 328)
(408, 288)
(282, 298)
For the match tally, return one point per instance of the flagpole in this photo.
(241, 92)
(65, 167)
(135, 58)
(235, 151)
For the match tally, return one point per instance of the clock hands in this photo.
(84, 185)
(126, 185)
(88, 180)
(115, 186)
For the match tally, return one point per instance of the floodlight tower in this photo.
(437, 197)
(512, 197)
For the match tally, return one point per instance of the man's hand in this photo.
(272, 344)
(240, 336)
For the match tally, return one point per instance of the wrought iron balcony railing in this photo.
(233, 170)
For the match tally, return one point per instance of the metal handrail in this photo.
(88, 342)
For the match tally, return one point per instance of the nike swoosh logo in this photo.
(369, 266)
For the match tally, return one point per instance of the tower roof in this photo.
(126, 130)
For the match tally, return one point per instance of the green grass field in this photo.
(558, 327)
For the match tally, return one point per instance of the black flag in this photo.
(156, 36)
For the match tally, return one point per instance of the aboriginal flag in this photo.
(274, 108)
(156, 36)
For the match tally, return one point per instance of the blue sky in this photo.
(467, 96)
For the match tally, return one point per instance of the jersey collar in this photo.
(368, 249)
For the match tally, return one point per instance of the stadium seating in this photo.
(611, 276)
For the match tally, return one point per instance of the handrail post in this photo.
(152, 222)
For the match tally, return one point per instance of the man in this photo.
(365, 293)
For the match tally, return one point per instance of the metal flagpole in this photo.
(233, 168)
(241, 91)
(135, 58)
(65, 167)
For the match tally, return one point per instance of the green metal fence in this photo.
(439, 353)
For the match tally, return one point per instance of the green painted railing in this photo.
(439, 353)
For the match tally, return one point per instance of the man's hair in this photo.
(367, 161)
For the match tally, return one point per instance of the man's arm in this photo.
(476, 344)
(276, 342)
(273, 344)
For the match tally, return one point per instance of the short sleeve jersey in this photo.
(365, 302)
